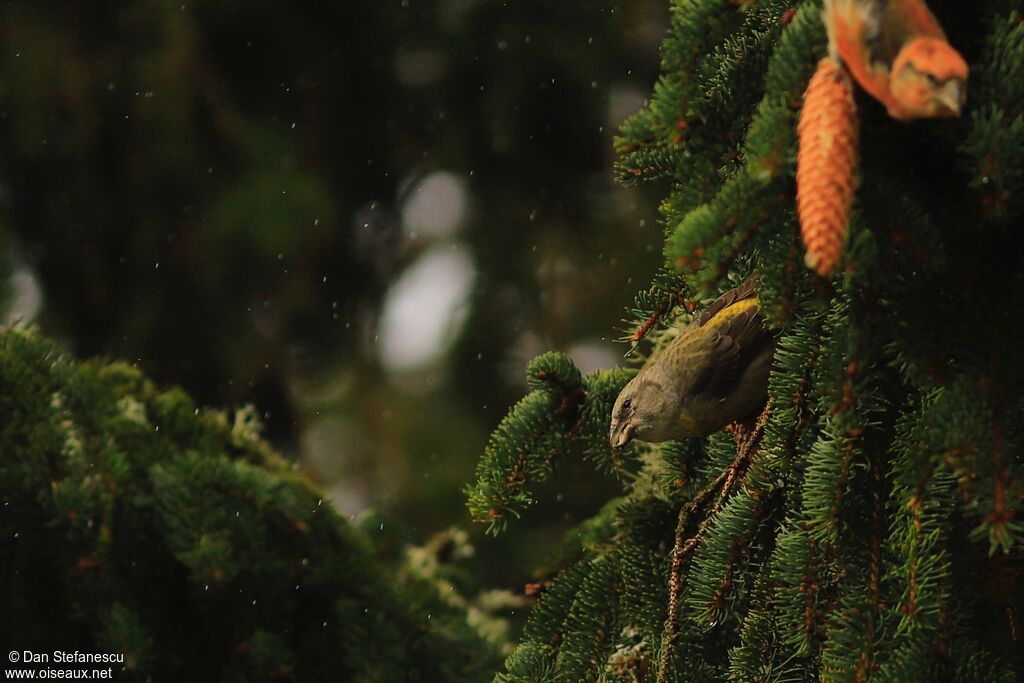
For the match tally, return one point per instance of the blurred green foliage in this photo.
(214, 191)
(135, 523)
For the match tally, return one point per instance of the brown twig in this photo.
(684, 547)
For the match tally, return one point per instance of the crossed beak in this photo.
(953, 95)
(622, 434)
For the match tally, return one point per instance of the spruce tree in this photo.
(870, 530)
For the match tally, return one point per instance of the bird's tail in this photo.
(846, 19)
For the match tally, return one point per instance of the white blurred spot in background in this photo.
(326, 443)
(623, 101)
(594, 355)
(435, 207)
(25, 296)
(425, 308)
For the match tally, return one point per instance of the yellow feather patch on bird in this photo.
(731, 311)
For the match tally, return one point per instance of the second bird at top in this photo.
(897, 51)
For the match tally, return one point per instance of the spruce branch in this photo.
(565, 413)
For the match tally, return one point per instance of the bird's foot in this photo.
(742, 430)
(747, 430)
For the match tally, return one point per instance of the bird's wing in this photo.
(904, 20)
(731, 347)
(854, 30)
(746, 290)
(738, 334)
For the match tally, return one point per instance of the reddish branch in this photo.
(1001, 515)
(809, 586)
(684, 547)
(671, 299)
(867, 665)
(909, 608)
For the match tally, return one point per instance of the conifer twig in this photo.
(682, 549)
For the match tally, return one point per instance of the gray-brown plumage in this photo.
(714, 373)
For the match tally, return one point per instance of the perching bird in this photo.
(714, 373)
(897, 51)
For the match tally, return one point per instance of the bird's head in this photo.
(929, 79)
(641, 411)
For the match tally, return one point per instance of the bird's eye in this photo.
(933, 79)
(627, 405)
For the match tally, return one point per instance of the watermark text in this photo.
(53, 665)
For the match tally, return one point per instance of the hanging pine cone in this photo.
(826, 165)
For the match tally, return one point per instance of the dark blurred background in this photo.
(362, 217)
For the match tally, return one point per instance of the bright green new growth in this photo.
(132, 522)
(872, 532)
(566, 413)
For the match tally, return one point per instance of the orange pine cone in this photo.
(826, 165)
